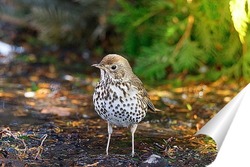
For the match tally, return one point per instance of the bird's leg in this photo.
(133, 129)
(110, 130)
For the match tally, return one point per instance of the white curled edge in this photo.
(230, 128)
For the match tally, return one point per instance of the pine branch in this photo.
(185, 35)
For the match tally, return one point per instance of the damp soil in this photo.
(47, 119)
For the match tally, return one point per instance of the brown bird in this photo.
(119, 96)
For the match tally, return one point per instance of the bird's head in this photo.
(115, 66)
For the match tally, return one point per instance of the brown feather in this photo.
(135, 81)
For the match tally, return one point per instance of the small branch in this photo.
(244, 48)
(185, 35)
(43, 139)
(40, 148)
(146, 17)
(91, 165)
(25, 146)
(13, 20)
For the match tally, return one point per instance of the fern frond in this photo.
(152, 65)
(189, 57)
(240, 10)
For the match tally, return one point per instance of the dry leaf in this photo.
(60, 111)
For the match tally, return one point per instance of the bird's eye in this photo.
(114, 67)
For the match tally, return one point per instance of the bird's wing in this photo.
(139, 85)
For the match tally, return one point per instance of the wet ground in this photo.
(47, 119)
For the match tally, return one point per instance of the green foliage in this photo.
(34, 86)
(241, 66)
(156, 56)
(190, 57)
(240, 10)
(162, 37)
(180, 36)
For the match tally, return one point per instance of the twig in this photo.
(43, 139)
(14, 20)
(94, 164)
(25, 146)
(40, 148)
(185, 35)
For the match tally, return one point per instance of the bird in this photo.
(120, 97)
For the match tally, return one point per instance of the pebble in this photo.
(155, 161)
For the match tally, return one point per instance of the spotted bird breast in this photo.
(119, 103)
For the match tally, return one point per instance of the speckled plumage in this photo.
(120, 97)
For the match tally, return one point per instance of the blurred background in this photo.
(176, 40)
(192, 55)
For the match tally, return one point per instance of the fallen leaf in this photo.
(42, 93)
(60, 111)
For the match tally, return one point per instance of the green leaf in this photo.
(240, 10)
(34, 86)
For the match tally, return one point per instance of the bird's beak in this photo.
(98, 66)
(95, 65)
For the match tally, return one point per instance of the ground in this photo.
(49, 120)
